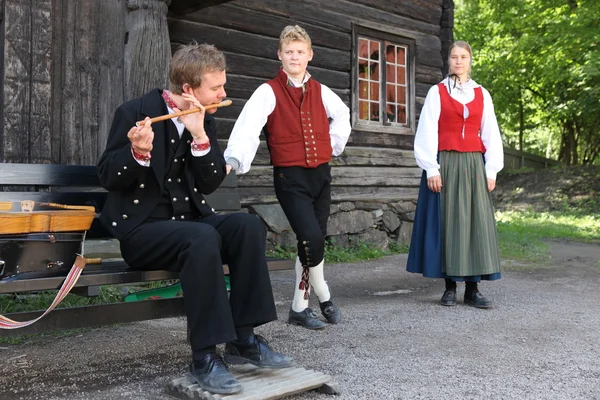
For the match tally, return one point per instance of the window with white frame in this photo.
(383, 79)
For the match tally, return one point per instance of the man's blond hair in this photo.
(292, 33)
(190, 63)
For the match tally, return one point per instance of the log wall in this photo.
(375, 166)
(66, 66)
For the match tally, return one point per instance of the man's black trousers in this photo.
(198, 249)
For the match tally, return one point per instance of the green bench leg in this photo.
(164, 292)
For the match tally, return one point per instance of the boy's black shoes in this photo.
(331, 312)
(307, 318)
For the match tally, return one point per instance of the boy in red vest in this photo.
(305, 124)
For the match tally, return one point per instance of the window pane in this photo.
(401, 55)
(401, 114)
(374, 111)
(390, 113)
(374, 70)
(390, 53)
(363, 90)
(374, 91)
(391, 93)
(363, 48)
(363, 68)
(401, 72)
(363, 110)
(374, 50)
(401, 94)
(391, 73)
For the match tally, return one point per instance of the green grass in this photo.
(338, 254)
(521, 234)
(21, 302)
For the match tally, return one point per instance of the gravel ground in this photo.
(540, 341)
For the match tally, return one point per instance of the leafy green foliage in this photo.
(540, 60)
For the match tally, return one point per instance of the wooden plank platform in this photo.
(259, 384)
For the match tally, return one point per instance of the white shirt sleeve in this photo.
(245, 136)
(490, 136)
(339, 128)
(426, 138)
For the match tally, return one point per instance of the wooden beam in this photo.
(266, 23)
(230, 40)
(147, 47)
(182, 7)
(266, 195)
(352, 156)
(262, 176)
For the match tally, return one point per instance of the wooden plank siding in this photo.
(66, 67)
(375, 165)
(26, 97)
(62, 75)
(67, 64)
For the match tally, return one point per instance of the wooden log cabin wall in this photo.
(375, 181)
(67, 64)
(66, 67)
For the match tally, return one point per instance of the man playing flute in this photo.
(306, 123)
(156, 175)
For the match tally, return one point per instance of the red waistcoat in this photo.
(456, 132)
(298, 127)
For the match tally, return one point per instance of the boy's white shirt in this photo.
(244, 139)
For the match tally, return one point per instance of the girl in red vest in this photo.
(459, 147)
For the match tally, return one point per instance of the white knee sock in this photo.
(318, 284)
(299, 304)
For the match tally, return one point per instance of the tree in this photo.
(540, 59)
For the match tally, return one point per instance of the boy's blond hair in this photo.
(293, 33)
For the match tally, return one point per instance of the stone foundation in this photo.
(373, 223)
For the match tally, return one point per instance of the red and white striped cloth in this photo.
(70, 281)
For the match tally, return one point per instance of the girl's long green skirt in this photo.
(454, 234)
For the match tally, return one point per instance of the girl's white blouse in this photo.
(426, 139)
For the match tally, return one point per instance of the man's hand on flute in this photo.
(141, 138)
(194, 122)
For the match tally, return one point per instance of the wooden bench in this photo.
(79, 185)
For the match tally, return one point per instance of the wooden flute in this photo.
(224, 103)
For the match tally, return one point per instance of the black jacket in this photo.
(134, 192)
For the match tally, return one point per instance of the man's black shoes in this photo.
(476, 299)
(307, 318)
(331, 312)
(255, 351)
(449, 298)
(212, 375)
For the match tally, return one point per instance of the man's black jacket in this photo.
(135, 190)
